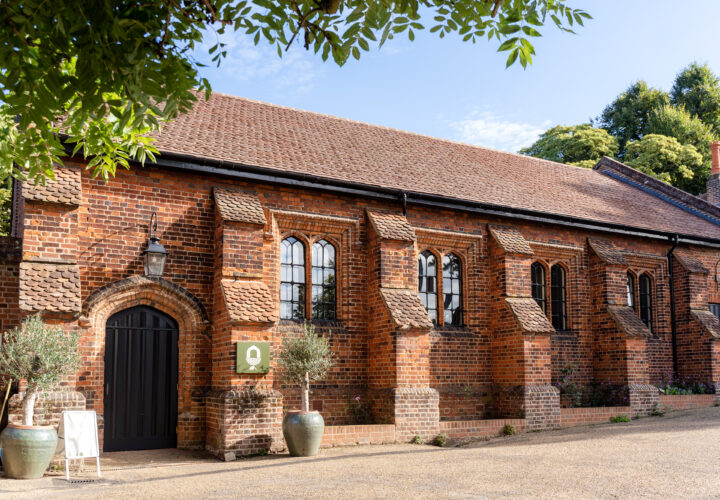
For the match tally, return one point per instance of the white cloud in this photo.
(245, 61)
(492, 131)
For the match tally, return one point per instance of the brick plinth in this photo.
(417, 412)
(542, 407)
(643, 398)
(480, 428)
(688, 401)
(348, 435)
(584, 416)
(244, 422)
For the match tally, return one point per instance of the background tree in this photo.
(665, 158)
(627, 116)
(697, 89)
(581, 145)
(105, 73)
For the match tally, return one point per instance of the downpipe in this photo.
(673, 321)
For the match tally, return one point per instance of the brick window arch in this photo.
(646, 299)
(323, 280)
(537, 285)
(427, 283)
(292, 279)
(558, 297)
(452, 290)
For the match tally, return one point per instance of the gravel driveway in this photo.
(671, 457)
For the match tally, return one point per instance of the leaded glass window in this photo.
(452, 290)
(537, 284)
(646, 304)
(292, 279)
(630, 286)
(558, 297)
(323, 280)
(427, 283)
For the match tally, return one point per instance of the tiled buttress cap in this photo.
(239, 206)
(607, 252)
(249, 301)
(510, 240)
(405, 308)
(709, 322)
(529, 315)
(391, 226)
(49, 287)
(64, 189)
(691, 263)
(628, 321)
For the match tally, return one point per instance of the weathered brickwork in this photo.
(222, 280)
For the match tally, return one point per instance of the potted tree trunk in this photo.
(303, 359)
(40, 355)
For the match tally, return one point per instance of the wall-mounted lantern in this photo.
(155, 255)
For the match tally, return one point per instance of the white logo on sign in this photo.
(253, 356)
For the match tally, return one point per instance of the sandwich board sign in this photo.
(78, 438)
(253, 357)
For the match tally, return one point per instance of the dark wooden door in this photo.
(141, 370)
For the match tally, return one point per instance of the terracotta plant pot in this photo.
(303, 432)
(27, 450)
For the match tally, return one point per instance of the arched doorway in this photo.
(141, 377)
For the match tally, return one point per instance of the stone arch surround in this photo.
(194, 346)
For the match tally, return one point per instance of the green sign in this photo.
(253, 357)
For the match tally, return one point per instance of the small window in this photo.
(452, 290)
(558, 296)
(537, 283)
(630, 290)
(646, 300)
(715, 309)
(427, 283)
(292, 279)
(323, 280)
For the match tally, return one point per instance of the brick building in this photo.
(455, 283)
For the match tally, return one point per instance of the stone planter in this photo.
(27, 450)
(303, 432)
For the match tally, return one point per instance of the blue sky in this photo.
(460, 91)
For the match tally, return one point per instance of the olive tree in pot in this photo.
(302, 359)
(40, 355)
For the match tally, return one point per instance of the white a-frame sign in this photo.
(78, 438)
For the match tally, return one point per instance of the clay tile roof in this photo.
(241, 132)
(709, 322)
(405, 308)
(510, 240)
(65, 188)
(49, 287)
(607, 251)
(628, 321)
(391, 226)
(691, 263)
(529, 315)
(239, 206)
(249, 301)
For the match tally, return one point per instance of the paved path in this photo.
(676, 456)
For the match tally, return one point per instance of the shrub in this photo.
(508, 430)
(417, 440)
(305, 358)
(440, 440)
(659, 410)
(619, 418)
(361, 412)
(40, 354)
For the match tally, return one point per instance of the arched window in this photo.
(646, 300)
(558, 297)
(427, 283)
(452, 290)
(323, 280)
(537, 284)
(292, 279)
(630, 290)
